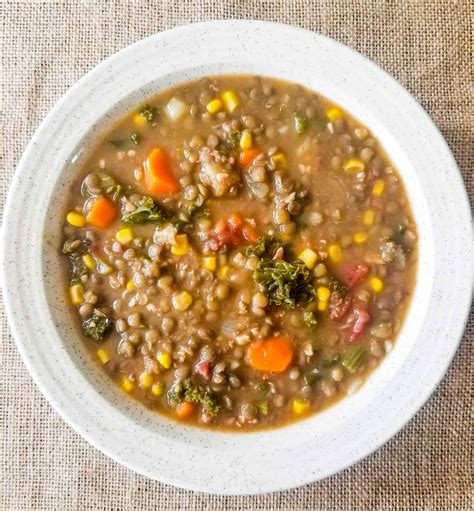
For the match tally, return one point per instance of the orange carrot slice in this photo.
(271, 354)
(184, 410)
(103, 213)
(159, 176)
(247, 157)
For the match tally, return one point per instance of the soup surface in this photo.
(240, 252)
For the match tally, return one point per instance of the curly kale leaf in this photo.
(284, 283)
(310, 319)
(97, 326)
(149, 113)
(265, 247)
(76, 249)
(187, 390)
(230, 143)
(147, 211)
(337, 285)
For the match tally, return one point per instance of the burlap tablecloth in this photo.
(45, 47)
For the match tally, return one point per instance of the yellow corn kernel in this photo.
(76, 293)
(181, 301)
(214, 106)
(224, 272)
(146, 380)
(127, 384)
(323, 306)
(130, 286)
(360, 237)
(353, 165)
(231, 100)
(182, 245)
(335, 253)
(165, 360)
(334, 113)
(369, 217)
(209, 263)
(300, 406)
(246, 140)
(157, 389)
(309, 258)
(139, 120)
(88, 261)
(379, 188)
(279, 159)
(103, 357)
(76, 219)
(376, 284)
(323, 293)
(124, 236)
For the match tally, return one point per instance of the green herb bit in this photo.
(309, 318)
(320, 124)
(353, 360)
(337, 285)
(301, 124)
(149, 113)
(284, 283)
(75, 249)
(234, 138)
(135, 137)
(333, 360)
(77, 269)
(190, 391)
(147, 211)
(97, 326)
(262, 387)
(263, 407)
(118, 144)
(265, 247)
(230, 143)
(311, 377)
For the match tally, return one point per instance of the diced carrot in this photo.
(103, 213)
(247, 157)
(250, 233)
(184, 410)
(271, 354)
(235, 220)
(159, 176)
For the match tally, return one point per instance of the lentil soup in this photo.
(240, 251)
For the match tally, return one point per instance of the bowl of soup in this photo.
(228, 268)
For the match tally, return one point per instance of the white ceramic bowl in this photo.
(193, 458)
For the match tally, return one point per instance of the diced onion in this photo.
(176, 109)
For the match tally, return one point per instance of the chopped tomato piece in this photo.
(352, 275)
(232, 231)
(203, 368)
(359, 318)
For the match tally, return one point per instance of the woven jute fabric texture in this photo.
(45, 47)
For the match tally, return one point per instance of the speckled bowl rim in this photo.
(329, 442)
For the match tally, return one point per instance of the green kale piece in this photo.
(187, 390)
(147, 211)
(265, 247)
(285, 283)
(149, 113)
(97, 326)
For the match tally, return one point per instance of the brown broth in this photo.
(333, 213)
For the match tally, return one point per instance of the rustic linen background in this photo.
(45, 47)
